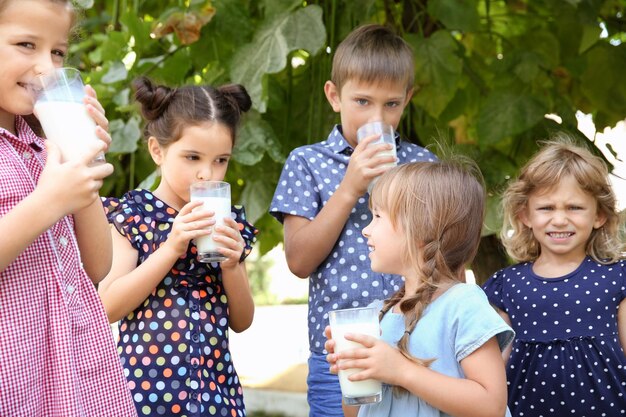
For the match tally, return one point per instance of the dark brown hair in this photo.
(168, 110)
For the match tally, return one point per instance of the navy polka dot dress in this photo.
(566, 359)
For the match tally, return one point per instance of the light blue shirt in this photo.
(456, 324)
(344, 279)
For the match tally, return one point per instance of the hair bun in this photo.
(154, 99)
(237, 95)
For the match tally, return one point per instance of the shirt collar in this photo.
(24, 134)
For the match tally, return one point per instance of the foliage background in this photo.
(487, 73)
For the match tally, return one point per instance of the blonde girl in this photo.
(566, 298)
(440, 348)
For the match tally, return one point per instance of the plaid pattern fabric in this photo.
(56, 351)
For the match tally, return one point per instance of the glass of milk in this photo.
(63, 114)
(216, 197)
(386, 135)
(355, 320)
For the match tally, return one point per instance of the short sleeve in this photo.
(120, 215)
(475, 322)
(248, 231)
(493, 290)
(296, 192)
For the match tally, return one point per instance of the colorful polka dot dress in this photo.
(174, 347)
(566, 359)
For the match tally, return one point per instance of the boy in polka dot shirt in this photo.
(322, 199)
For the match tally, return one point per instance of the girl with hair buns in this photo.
(175, 312)
(440, 348)
(566, 298)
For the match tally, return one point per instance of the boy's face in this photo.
(33, 40)
(361, 102)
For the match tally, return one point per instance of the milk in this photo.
(205, 244)
(68, 125)
(352, 390)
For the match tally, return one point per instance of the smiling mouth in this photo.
(560, 235)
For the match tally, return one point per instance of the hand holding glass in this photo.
(387, 135)
(355, 320)
(63, 114)
(215, 196)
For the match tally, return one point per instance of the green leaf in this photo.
(256, 197)
(117, 72)
(85, 4)
(603, 81)
(591, 35)
(255, 138)
(115, 47)
(124, 135)
(437, 71)
(267, 54)
(506, 114)
(456, 14)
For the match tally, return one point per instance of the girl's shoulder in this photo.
(138, 203)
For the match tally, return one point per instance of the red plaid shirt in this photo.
(56, 351)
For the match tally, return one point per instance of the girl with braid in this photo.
(440, 349)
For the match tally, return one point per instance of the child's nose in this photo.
(205, 174)
(44, 65)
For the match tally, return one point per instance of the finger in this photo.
(98, 116)
(104, 136)
(328, 333)
(93, 149)
(92, 98)
(365, 142)
(363, 339)
(187, 208)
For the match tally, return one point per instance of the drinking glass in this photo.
(63, 115)
(215, 196)
(355, 320)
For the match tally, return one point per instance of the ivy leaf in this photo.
(272, 43)
(437, 71)
(456, 14)
(506, 114)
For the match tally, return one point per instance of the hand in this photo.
(189, 224)
(377, 360)
(73, 185)
(229, 236)
(97, 113)
(365, 164)
(331, 358)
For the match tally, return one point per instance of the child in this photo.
(566, 300)
(58, 358)
(321, 195)
(440, 348)
(175, 311)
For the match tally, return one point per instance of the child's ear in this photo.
(523, 217)
(600, 220)
(156, 152)
(332, 95)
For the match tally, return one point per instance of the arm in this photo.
(63, 188)
(309, 242)
(128, 285)
(235, 276)
(94, 240)
(482, 393)
(621, 324)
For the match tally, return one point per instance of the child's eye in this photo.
(59, 53)
(192, 157)
(545, 208)
(222, 160)
(361, 101)
(28, 45)
(393, 104)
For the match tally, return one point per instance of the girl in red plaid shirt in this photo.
(56, 351)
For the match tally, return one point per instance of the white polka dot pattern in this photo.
(566, 359)
(344, 279)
